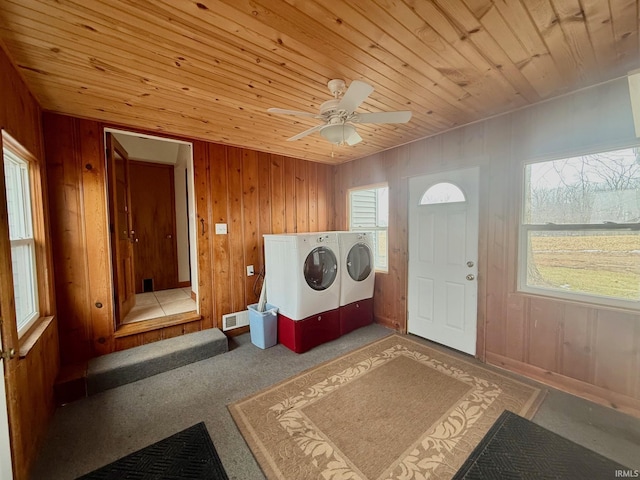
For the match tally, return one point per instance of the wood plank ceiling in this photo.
(209, 69)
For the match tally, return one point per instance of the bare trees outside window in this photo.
(580, 229)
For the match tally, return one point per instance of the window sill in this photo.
(29, 340)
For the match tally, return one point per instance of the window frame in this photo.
(524, 229)
(40, 252)
(376, 229)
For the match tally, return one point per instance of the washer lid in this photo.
(320, 268)
(359, 262)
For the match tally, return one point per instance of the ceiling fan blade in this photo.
(305, 133)
(282, 111)
(383, 117)
(357, 92)
(354, 139)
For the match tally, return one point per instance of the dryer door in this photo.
(359, 262)
(320, 268)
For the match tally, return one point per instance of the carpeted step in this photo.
(127, 366)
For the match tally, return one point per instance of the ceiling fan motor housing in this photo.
(330, 112)
(337, 87)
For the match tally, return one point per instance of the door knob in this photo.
(471, 276)
(8, 354)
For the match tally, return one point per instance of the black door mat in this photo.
(188, 454)
(516, 448)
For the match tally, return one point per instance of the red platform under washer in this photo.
(303, 335)
(356, 315)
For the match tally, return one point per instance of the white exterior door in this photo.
(6, 470)
(443, 255)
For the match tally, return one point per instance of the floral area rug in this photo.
(394, 409)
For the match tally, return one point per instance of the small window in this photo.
(23, 255)
(442, 193)
(580, 229)
(369, 212)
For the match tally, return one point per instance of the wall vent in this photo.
(235, 320)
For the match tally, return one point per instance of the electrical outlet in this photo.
(221, 228)
(249, 270)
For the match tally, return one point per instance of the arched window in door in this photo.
(443, 192)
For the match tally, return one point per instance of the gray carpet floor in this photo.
(92, 432)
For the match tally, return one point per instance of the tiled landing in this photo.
(160, 304)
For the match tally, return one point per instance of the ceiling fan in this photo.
(338, 114)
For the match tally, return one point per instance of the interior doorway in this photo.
(152, 223)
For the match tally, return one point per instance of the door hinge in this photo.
(8, 354)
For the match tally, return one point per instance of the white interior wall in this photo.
(193, 242)
(182, 219)
(149, 149)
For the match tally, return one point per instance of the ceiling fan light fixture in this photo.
(338, 134)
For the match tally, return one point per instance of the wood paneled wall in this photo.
(257, 193)
(254, 193)
(583, 348)
(30, 379)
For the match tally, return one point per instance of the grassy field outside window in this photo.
(580, 229)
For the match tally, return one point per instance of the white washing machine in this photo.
(302, 275)
(357, 280)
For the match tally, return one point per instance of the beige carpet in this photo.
(394, 409)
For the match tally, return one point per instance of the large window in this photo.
(23, 255)
(580, 230)
(369, 212)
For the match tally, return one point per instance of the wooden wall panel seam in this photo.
(93, 178)
(78, 167)
(204, 249)
(222, 271)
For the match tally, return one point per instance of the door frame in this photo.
(123, 280)
(483, 185)
(193, 238)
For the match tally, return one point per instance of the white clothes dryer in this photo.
(357, 280)
(302, 275)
